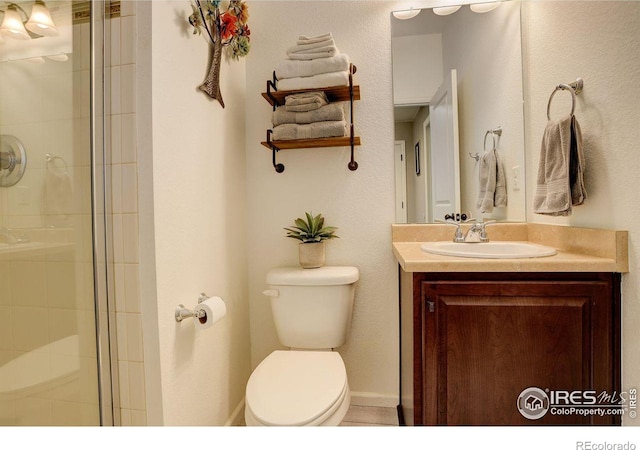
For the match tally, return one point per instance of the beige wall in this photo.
(360, 203)
(558, 50)
(196, 188)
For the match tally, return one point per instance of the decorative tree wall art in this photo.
(226, 29)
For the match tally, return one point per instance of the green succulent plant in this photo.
(311, 230)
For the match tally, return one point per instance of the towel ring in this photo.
(562, 87)
(493, 136)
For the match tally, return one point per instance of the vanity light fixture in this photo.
(40, 21)
(12, 25)
(38, 24)
(484, 7)
(406, 13)
(446, 10)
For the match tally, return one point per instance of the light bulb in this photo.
(446, 10)
(40, 21)
(406, 14)
(484, 7)
(12, 25)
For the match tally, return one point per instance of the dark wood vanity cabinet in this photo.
(472, 342)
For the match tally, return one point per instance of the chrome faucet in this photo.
(458, 237)
(477, 232)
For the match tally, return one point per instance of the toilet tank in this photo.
(312, 308)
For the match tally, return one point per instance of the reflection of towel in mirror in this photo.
(310, 131)
(334, 111)
(58, 193)
(560, 182)
(492, 192)
(500, 196)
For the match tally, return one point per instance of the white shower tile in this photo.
(125, 417)
(6, 342)
(5, 291)
(134, 338)
(127, 89)
(132, 288)
(128, 37)
(130, 237)
(119, 285)
(33, 411)
(61, 286)
(136, 385)
(116, 189)
(129, 138)
(138, 418)
(116, 139)
(28, 283)
(118, 238)
(129, 188)
(30, 328)
(115, 40)
(127, 8)
(122, 337)
(115, 91)
(123, 377)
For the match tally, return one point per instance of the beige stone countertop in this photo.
(579, 249)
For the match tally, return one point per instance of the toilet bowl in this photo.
(298, 388)
(305, 386)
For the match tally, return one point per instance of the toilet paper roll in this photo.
(214, 309)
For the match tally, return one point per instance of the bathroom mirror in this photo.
(457, 78)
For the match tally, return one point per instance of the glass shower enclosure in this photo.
(55, 365)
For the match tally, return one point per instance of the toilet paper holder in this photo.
(183, 312)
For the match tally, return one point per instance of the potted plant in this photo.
(312, 233)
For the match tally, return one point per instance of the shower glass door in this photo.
(49, 249)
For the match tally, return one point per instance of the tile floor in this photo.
(370, 416)
(366, 416)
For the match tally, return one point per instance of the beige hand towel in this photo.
(487, 172)
(331, 112)
(289, 68)
(560, 182)
(316, 130)
(305, 101)
(500, 195)
(322, 80)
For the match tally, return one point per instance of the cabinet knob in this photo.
(431, 306)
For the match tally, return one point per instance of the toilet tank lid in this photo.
(322, 276)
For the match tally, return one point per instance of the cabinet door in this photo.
(484, 342)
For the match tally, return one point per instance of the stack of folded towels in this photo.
(313, 63)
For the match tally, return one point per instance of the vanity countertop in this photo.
(579, 249)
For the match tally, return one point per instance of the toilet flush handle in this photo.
(271, 293)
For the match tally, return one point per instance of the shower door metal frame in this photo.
(106, 345)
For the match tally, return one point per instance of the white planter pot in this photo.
(311, 255)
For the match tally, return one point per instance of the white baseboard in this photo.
(237, 416)
(373, 399)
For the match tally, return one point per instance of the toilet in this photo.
(306, 385)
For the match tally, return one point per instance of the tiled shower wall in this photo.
(123, 149)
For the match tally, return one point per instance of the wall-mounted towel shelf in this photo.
(348, 93)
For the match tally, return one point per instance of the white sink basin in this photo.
(490, 250)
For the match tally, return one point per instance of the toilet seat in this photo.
(298, 388)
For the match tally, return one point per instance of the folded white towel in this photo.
(320, 52)
(311, 46)
(560, 182)
(315, 130)
(289, 68)
(322, 80)
(332, 112)
(312, 39)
